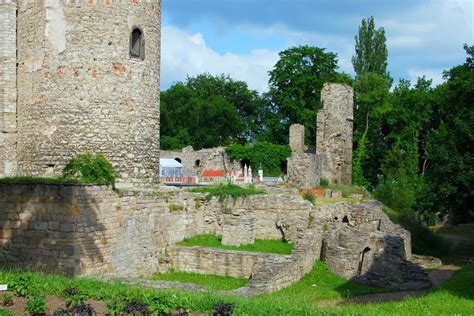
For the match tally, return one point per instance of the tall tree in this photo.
(295, 89)
(370, 49)
(372, 102)
(209, 111)
(450, 146)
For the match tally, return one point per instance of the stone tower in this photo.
(8, 164)
(87, 81)
(334, 133)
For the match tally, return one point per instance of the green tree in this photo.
(372, 102)
(209, 111)
(370, 49)
(295, 90)
(449, 176)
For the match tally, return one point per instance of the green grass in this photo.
(453, 297)
(222, 191)
(214, 282)
(260, 245)
(40, 180)
(5, 313)
(319, 284)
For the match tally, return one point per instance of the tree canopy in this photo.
(295, 89)
(209, 111)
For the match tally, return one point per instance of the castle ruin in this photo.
(83, 75)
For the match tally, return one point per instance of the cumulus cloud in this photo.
(435, 74)
(186, 54)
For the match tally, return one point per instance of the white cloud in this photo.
(435, 23)
(436, 75)
(188, 54)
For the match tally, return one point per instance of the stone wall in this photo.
(8, 88)
(80, 91)
(334, 133)
(196, 161)
(237, 264)
(88, 230)
(297, 138)
(84, 230)
(302, 170)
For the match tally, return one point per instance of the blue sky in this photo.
(242, 38)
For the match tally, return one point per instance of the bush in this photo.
(7, 300)
(90, 168)
(36, 305)
(397, 191)
(309, 197)
(270, 156)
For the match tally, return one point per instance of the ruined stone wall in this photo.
(334, 133)
(85, 230)
(302, 170)
(8, 88)
(80, 91)
(302, 165)
(195, 161)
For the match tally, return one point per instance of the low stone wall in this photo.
(84, 230)
(237, 264)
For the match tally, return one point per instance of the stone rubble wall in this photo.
(303, 170)
(93, 230)
(80, 91)
(8, 88)
(334, 133)
(196, 161)
(237, 264)
(87, 230)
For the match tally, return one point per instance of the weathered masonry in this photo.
(80, 76)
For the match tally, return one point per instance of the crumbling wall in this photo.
(196, 161)
(334, 133)
(302, 167)
(81, 91)
(8, 88)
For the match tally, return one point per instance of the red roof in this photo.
(213, 173)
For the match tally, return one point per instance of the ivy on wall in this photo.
(270, 156)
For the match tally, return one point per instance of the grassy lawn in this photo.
(260, 245)
(214, 282)
(319, 284)
(453, 297)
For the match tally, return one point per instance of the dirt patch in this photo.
(53, 304)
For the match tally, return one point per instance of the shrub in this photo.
(270, 156)
(7, 300)
(324, 183)
(309, 197)
(136, 307)
(36, 305)
(223, 309)
(21, 286)
(91, 169)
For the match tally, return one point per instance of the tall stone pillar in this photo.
(334, 133)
